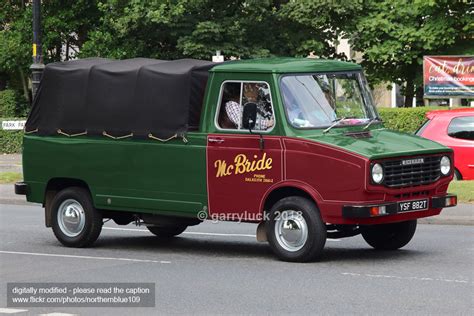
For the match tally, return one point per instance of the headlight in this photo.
(377, 173)
(445, 165)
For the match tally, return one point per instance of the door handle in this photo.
(216, 140)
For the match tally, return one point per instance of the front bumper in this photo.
(386, 209)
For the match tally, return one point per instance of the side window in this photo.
(235, 95)
(462, 127)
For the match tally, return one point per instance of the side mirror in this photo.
(249, 116)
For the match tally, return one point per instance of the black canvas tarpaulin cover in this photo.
(140, 97)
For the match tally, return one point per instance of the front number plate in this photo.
(408, 206)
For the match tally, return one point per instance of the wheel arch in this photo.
(58, 184)
(286, 189)
(55, 185)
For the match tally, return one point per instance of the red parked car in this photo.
(455, 129)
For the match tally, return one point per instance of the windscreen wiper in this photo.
(370, 122)
(336, 122)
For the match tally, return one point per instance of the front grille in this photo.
(398, 175)
(412, 195)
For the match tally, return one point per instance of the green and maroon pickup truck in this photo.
(294, 145)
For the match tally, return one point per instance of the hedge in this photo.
(10, 141)
(406, 120)
(12, 104)
(8, 103)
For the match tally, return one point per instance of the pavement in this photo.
(10, 163)
(462, 214)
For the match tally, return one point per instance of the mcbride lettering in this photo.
(242, 165)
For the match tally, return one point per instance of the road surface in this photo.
(221, 269)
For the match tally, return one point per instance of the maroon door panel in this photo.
(239, 173)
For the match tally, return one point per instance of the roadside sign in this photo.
(13, 125)
(448, 76)
(218, 58)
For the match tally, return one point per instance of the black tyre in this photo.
(75, 221)
(389, 236)
(457, 175)
(295, 230)
(167, 231)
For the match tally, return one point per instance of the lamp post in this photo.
(37, 67)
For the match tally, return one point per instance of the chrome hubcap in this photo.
(71, 218)
(291, 230)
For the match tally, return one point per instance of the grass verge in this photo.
(463, 189)
(10, 177)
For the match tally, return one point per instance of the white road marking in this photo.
(220, 234)
(80, 257)
(187, 233)
(193, 233)
(11, 311)
(58, 314)
(403, 278)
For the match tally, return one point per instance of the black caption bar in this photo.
(81, 294)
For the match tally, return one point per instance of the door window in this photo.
(235, 95)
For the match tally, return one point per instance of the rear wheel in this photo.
(389, 236)
(167, 231)
(295, 230)
(75, 221)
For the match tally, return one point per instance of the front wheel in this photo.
(75, 221)
(295, 230)
(389, 236)
(457, 175)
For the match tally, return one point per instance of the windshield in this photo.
(319, 100)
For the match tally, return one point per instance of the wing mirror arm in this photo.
(249, 119)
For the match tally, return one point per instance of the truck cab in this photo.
(294, 145)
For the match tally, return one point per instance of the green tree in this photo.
(183, 28)
(65, 25)
(321, 23)
(395, 35)
(15, 48)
